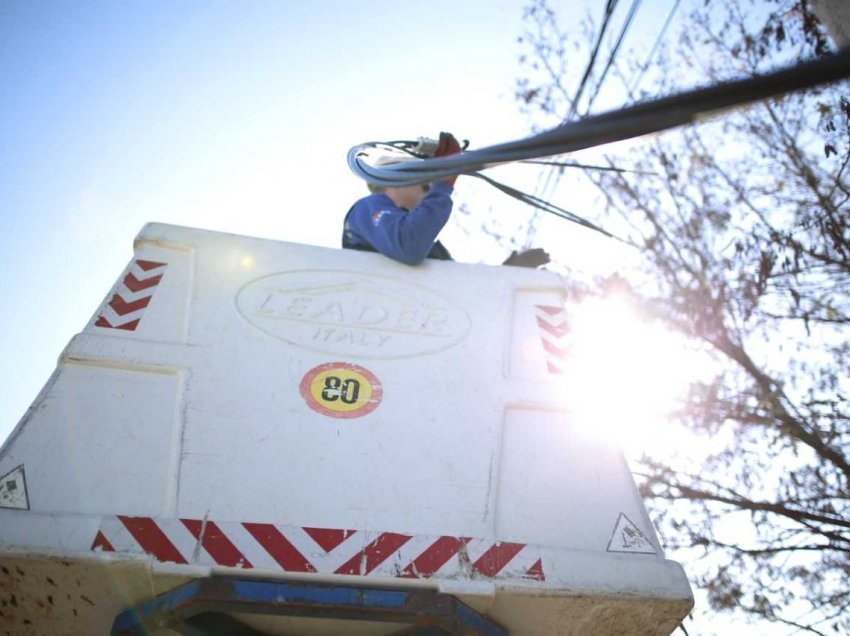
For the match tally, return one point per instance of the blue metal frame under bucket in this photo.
(203, 606)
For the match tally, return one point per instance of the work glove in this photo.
(534, 257)
(447, 145)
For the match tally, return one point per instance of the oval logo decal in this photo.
(352, 314)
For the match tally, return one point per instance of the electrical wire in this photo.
(631, 15)
(546, 206)
(585, 166)
(617, 125)
(655, 48)
(606, 19)
(610, 7)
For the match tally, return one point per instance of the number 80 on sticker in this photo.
(341, 389)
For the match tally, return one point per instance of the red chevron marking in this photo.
(152, 539)
(551, 309)
(127, 326)
(134, 284)
(373, 554)
(553, 368)
(122, 307)
(279, 547)
(217, 544)
(559, 330)
(559, 352)
(149, 265)
(536, 571)
(100, 541)
(497, 557)
(328, 538)
(433, 558)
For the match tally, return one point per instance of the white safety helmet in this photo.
(388, 160)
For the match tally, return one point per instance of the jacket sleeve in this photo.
(401, 235)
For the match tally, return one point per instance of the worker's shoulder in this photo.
(371, 203)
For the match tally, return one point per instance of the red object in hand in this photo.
(447, 145)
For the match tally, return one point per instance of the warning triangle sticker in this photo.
(13, 489)
(536, 571)
(627, 537)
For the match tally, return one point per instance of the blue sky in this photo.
(226, 116)
(237, 117)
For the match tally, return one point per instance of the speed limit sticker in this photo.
(341, 389)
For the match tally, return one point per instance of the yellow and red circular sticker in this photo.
(341, 389)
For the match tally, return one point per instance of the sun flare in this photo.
(625, 375)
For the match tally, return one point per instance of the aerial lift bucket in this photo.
(251, 414)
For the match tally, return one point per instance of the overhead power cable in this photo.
(541, 204)
(655, 48)
(610, 7)
(585, 166)
(617, 125)
(549, 183)
(631, 15)
(606, 19)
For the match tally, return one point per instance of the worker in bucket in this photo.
(403, 222)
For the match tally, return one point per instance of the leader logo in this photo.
(351, 314)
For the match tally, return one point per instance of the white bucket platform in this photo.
(241, 407)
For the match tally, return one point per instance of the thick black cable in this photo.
(617, 125)
(627, 123)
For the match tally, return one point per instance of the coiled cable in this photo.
(595, 130)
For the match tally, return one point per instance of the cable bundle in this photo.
(618, 125)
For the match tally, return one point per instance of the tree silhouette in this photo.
(744, 243)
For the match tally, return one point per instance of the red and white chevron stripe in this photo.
(131, 296)
(554, 332)
(317, 550)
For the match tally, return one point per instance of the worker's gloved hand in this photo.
(447, 145)
(534, 257)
